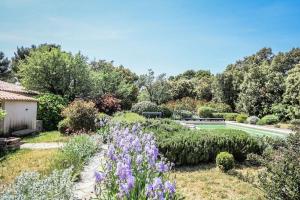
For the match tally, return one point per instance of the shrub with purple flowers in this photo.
(133, 168)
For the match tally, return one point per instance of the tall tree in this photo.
(5, 70)
(292, 93)
(55, 71)
(158, 87)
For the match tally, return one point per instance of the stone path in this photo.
(84, 188)
(45, 145)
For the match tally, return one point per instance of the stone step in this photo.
(23, 132)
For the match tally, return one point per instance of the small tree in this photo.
(108, 104)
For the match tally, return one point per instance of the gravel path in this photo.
(46, 145)
(84, 188)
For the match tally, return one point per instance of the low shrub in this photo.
(79, 115)
(281, 111)
(191, 147)
(225, 161)
(144, 106)
(161, 125)
(226, 116)
(127, 118)
(166, 112)
(49, 110)
(182, 114)
(31, 185)
(75, 153)
(2, 114)
(252, 120)
(268, 120)
(241, 118)
(205, 112)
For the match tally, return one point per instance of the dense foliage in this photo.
(260, 84)
(268, 120)
(79, 116)
(225, 161)
(184, 146)
(49, 110)
(281, 178)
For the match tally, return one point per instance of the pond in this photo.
(250, 130)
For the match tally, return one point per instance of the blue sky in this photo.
(169, 36)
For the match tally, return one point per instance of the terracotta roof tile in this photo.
(10, 87)
(15, 97)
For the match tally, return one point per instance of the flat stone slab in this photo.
(46, 145)
(23, 132)
(84, 189)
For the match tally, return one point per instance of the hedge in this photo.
(191, 147)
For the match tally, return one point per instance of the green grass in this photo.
(251, 131)
(13, 164)
(50, 136)
(207, 182)
(128, 118)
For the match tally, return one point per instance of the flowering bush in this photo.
(108, 104)
(30, 185)
(79, 115)
(133, 169)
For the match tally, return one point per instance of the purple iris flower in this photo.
(162, 167)
(170, 187)
(99, 176)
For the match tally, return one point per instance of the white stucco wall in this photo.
(19, 114)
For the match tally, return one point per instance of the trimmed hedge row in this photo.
(191, 147)
(226, 116)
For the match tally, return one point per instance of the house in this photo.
(20, 108)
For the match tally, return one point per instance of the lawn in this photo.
(24, 160)
(50, 136)
(207, 182)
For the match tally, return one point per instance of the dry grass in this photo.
(207, 182)
(24, 160)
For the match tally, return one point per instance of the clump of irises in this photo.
(133, 168)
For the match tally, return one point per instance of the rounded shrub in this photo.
(181, 114)
(268, 120)
(205, 112)
(80, 115)
(166, 112)
(49, 110)
(252, 120)
(241, 118)
(225, 161)
(144, 106)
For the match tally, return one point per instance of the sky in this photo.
(169, 36)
